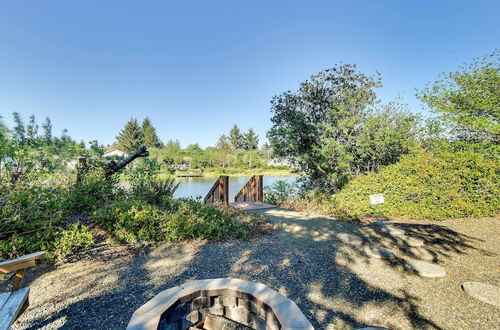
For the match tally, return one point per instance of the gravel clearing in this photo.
(336, 285)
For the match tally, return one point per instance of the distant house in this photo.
(114, 153)
(280, 162)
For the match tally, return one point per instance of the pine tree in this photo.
(149, 135)
(236, 138)
(130, 137)
(19, 130)
(251, 140)
(223, 143)
(47, 130)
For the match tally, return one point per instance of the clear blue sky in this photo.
(197, 67)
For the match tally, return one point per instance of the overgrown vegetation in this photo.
(450, 183)
(445, 167)
(44, 207)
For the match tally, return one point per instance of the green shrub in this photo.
(279, 192)
(93, 191)
(131, 221)
(74, 239)
(29, 216)
(450, 183)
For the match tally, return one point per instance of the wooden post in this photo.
(80, 168)
(224, 190)
(260, 188)
(18, 277)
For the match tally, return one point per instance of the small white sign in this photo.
(377, 199)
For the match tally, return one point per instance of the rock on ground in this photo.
(487, 293)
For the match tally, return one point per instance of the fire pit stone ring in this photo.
(222, 303)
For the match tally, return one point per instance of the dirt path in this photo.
(337, 285)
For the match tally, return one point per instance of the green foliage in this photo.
(42, 206)
(279, 192)
(469, 100)
(141, 173)
(156, 192)
(130, 137)
(150, 137)
(133, 221)
(47, 130)
(330, 130)
(250, 140)
(455, 182)
(76, 238)
(29, 217)
(93, 191)
(236, 138)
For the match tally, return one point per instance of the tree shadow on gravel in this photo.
(335, 284)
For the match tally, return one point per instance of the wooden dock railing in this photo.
(219, 192)
(253, 191)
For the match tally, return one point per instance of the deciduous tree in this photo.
(320, 127)
(469, 99)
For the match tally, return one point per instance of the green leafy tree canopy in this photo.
(328, 129)
(469, 99)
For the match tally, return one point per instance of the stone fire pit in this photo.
(215, 304)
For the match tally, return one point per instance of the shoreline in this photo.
(215, 174)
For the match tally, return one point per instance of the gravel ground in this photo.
(336, 285)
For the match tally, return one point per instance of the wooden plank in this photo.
(12, 308)
(260, 196)
(14, 264)
(18, 278)
(3, 298)
(17, 266)
(225, 189)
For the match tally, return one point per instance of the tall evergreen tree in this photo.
(19, 129)
(149, 135)
(236, 138)
(47, 130)
(223, 143)
(130, 137)
(251, 140)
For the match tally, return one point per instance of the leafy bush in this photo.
(452, 183)
(30, 214)
(279, 192)
(94, 190)
(131, 221)
(33, 220)
(156, 192)
(74, 239)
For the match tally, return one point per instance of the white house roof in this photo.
(115, 152)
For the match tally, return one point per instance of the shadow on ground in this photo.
(336, 285)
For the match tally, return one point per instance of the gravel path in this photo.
(335, 283)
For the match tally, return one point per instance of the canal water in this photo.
(199, 187)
